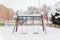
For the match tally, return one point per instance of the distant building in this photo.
(6, 13)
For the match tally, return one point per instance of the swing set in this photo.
(19, 18)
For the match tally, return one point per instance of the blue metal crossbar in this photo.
(28, 16)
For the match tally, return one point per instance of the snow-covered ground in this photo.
(6, 34)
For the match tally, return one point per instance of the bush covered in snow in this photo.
(56, 18)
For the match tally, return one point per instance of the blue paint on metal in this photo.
(29, 16)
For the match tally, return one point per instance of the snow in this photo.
(30, 14)
(6, 34)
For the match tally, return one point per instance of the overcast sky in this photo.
(23, 4)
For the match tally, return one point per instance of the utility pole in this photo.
(39, 3)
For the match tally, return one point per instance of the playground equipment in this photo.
(23, 20)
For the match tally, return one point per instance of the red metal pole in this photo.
(16, 24)
(42, 22)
